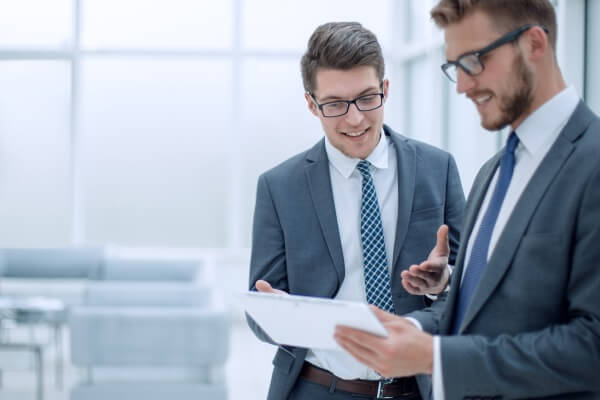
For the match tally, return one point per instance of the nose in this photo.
(354, 116)
(464, 81)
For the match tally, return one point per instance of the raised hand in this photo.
(432, 275)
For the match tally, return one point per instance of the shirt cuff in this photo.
(435, 296)
(415, 322)
(437, 377)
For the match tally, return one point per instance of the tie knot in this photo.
(512, 142)
(363, 168)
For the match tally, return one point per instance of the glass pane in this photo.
(34, 153)
(421, 25)
(423, 81)
(157, 24)
(395, 106)
(277, 123)
(37, 23)
(592, 78)
(294, 21)
(156, 146)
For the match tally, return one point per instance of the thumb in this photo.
(265, 287)
(381, 315)
(442, 246)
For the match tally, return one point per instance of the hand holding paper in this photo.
(406, 351)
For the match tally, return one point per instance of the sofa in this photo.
(140, 327)
(156, 341)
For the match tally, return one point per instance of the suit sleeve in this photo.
(558, 359)
(454, 210)
(267, 260)
(453, 217)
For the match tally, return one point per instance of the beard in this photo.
(515, 103)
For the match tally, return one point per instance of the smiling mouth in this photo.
(479, 100)
(355, 134)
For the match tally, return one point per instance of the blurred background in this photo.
(139, 127)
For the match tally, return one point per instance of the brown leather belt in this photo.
(384, 389)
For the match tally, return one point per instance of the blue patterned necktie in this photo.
(481, 245)
(377, 276)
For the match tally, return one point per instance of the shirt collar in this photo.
(543, 126)
(346, 165)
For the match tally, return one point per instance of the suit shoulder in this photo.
(291, 167)
(423, 149)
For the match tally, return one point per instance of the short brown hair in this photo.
(507, 14)
(340, 45)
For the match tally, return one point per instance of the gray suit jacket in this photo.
(296, 245)
(532, 329)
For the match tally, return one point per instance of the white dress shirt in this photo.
(346, 185)
(536, 136)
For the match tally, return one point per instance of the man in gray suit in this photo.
(350, 214)
(522, 318)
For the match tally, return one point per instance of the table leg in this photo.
(59, 356)
(39, 372)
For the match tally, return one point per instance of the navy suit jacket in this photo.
(532, 329)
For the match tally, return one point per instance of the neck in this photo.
(546, 87)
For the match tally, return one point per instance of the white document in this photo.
(309, 322)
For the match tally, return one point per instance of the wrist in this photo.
(447, 277)
(427, 355)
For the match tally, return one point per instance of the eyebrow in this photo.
(466, 53)
(334, 98)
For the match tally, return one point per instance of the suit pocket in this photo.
(539, 271)
(427, 214)
(283, 360)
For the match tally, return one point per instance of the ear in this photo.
(537, 43)
(312, 107)
(386, 89)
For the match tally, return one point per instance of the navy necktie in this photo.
(481, 245)
(377, 275)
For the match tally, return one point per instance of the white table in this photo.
(31, 311)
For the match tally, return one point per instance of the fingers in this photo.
(442, 246)
(420, 277)
(381, 315)
(412, 284)
(361, 345)
(380, 354)
(426, 272)
(265, 287)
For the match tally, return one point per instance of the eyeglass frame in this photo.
(348, 103)
(507, 38)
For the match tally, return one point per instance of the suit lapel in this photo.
(406, 169)
(509, 240)
(319, 185)
(476, 197)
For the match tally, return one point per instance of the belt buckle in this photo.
(381, 386)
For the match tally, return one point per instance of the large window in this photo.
(592, 78)
(146, 123)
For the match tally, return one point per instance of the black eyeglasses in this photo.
(471, 62)
(338, 108)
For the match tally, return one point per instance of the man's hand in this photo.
(432, 275)
(265, 287)
(406, 351)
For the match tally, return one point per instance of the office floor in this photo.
(248, 370)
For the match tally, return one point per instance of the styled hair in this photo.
(506, 14)
(340, 45)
